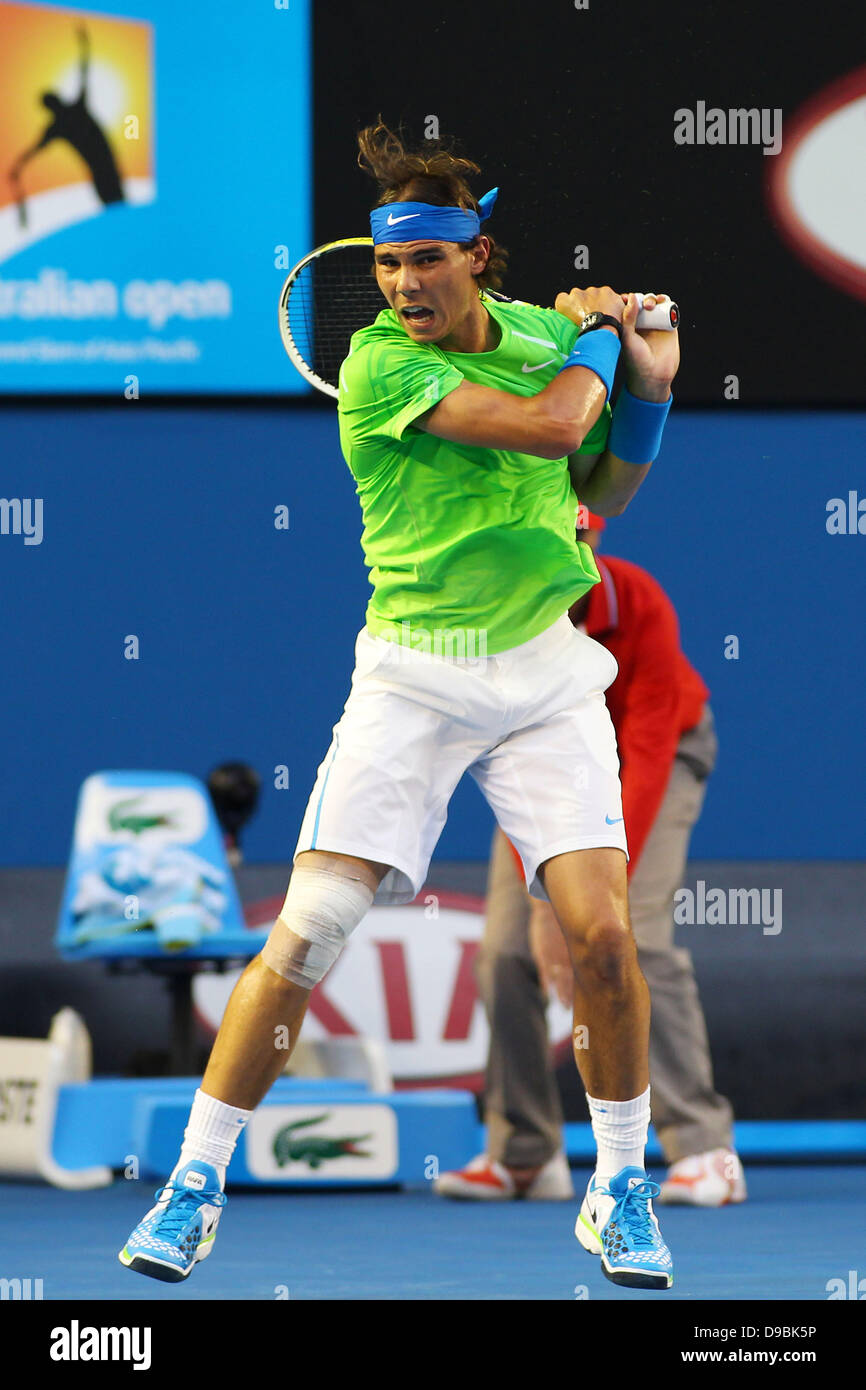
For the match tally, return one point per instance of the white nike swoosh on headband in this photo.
(526, 367)
(392, 220)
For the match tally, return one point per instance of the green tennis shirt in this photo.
(470, 551)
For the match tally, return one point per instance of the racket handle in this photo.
(664, 316)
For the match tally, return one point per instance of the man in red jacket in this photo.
(667, 747)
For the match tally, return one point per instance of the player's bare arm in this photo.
(546, 426)
(604, 482)
(550, 425)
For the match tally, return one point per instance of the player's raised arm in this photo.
(607, 482)
(553, 423)
(545, 426)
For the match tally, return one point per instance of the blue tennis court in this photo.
(801, 1228)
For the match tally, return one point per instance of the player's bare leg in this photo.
(588, 892)
(246, 1058)
(255, 1040)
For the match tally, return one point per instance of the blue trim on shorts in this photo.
(322, 793)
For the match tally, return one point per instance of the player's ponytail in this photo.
(434, 174)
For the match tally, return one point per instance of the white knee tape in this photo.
(321, 911)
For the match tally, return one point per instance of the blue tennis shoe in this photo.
(180, 1230)
(617, 1223)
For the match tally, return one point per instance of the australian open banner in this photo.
(154, 185)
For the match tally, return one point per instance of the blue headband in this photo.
(420, 221)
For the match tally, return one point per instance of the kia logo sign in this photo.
(817, 186)
(406, 978)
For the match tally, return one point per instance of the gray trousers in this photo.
(522, 1108)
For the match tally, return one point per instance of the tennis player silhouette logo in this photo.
(73, 122)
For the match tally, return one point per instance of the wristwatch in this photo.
(598, 320)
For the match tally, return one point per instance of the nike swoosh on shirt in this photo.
(615, 821)
(392, 220)
(527, 368)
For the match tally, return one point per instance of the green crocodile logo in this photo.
(119, 818)
(313, 1149)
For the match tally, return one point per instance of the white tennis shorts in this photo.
(530, 725)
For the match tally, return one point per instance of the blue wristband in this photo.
(636, 428)
(599, 352)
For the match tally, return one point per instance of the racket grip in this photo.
(665, 316)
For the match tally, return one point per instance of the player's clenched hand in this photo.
(578, 303)
(650, 357)
(550, 953)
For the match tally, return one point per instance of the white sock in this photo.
(212, 1131)
(620, 1129)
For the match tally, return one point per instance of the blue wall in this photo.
(159, 522)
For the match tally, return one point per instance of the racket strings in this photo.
(332, 297)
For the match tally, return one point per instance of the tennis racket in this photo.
(333, 292)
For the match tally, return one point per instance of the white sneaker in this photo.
(486, 1180)
(712, 1179)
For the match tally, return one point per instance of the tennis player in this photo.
(471, 423)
